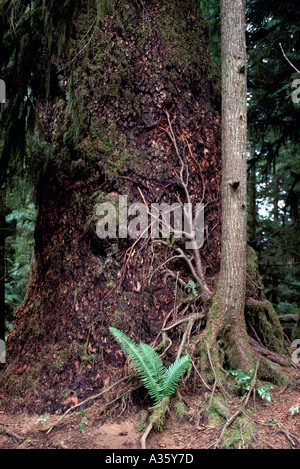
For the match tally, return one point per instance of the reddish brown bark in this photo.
(105, 115)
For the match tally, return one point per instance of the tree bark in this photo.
(226, 332)
(253, 207)
(2, 262)
(104, 121)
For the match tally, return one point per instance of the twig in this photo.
(257, 286)
(193, 316)
(287, 59)
(11, 433)
(200, 376)
(186, 333)
(81, 50)
(290, 437)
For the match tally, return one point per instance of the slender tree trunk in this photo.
(226, 323)
(253, 207)
(276, 196)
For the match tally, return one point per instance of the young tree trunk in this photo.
(253, 207)
(226, 331)
(276, 196)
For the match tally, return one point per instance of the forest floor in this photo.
(272, 426)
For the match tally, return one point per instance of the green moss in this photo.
(263, 318)
(238, 433)
(296, 330)
(180, 409)
(272, 373)
(254, 280)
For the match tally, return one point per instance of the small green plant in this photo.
(191, 287)
(159, 382)
(294, 410)
(82, 415)
(42, 419)
(263, 393)
(243, 383)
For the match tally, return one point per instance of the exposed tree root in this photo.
(238, 412)
(156, 419)
(12, 434)
(293, 439)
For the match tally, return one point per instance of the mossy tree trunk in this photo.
(2, 262)
(104, 119)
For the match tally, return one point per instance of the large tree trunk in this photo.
(104, 122)
(2, 262)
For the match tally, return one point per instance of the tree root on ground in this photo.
(12, 434)
(156, 419)
(240, 410)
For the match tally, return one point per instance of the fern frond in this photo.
(173, 373)
(154, 362)
(140, 364)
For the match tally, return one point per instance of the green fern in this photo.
(173, 373)
(159, 382)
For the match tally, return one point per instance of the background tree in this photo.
(273, 30)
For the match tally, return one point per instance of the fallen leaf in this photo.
(74, 400)
(106, 381)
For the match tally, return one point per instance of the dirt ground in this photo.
(272, 426)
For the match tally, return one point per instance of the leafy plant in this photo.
(263, 393)
(42, 419)
(191, 287)
(243, 383)
(159, 382)
(294, 410)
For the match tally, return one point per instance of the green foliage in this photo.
(294, 410)
(19, 245)
(191, 287)
(159, 382)
(243, 381)
(263, 393)
(243, 384)
(274, 162)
